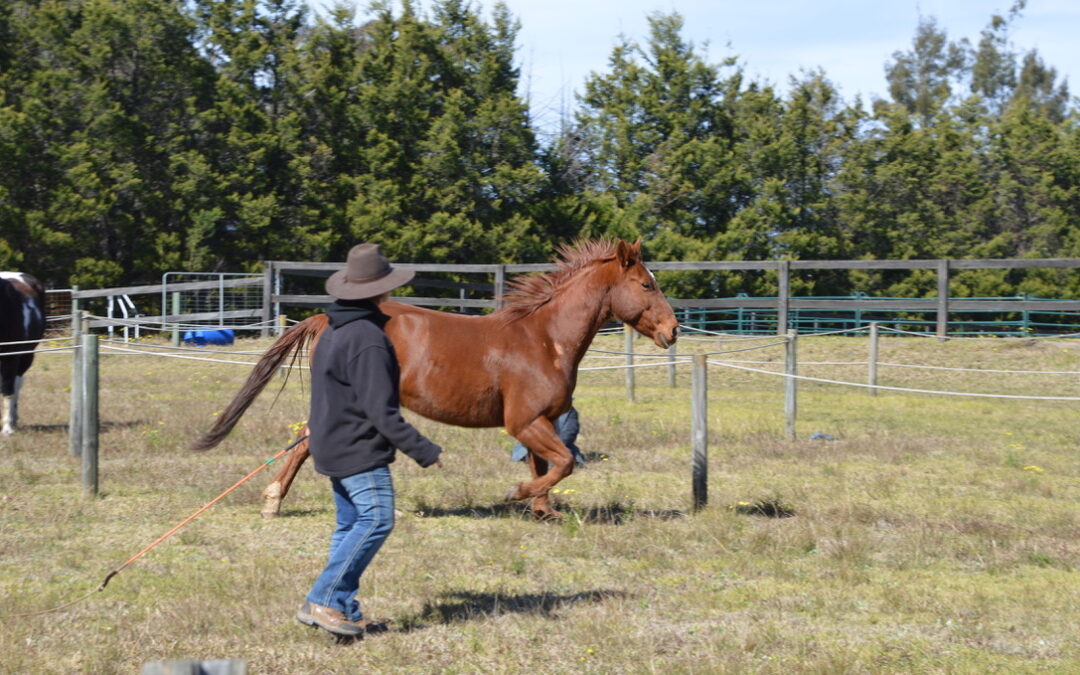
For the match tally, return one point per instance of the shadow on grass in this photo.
(768, 508)
(54, 428)
(468, 606)
(302, 513)
(609, 514)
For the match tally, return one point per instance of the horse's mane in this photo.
(530, 292)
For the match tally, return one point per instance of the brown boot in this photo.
(330, 620)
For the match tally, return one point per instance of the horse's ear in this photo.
(628, 254)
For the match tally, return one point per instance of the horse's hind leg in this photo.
(279, 487)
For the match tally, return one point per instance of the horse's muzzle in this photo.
(665, 340)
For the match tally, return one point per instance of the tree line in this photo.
(144, 136)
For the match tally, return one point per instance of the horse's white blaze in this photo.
(18, 276)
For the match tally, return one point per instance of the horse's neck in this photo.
(574, 315)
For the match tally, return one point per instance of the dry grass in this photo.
(929, 535)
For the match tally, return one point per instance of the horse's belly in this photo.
(453, 408)
(447, 371)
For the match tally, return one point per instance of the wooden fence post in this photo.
(500, 286)
(943, 299)
(783, 292)
(871, 378)
(268, 296)
(672, 353)
(699, 429)
(790, 369)
(176, 312)
(90, 425)
(628, 344)
(75, 418)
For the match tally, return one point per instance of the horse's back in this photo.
(460, 336)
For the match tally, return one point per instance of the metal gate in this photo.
(215, 302)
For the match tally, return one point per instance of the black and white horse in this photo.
(22, 317)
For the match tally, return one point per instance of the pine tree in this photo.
(102, 88)
(658, 135)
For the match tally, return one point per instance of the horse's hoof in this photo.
(271, 500)
(548, 515)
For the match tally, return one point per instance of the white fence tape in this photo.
(887, 388)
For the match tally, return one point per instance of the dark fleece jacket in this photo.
(355, 420)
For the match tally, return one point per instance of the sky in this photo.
(562, 41)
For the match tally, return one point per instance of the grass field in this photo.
(930, 534)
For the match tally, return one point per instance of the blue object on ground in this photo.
(822, 437)
(201, 338)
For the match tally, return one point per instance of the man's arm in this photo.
(372, 373)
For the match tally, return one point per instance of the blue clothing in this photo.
(365, 518)
(567, 426)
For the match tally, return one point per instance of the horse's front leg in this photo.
(7, 426)
(9, 407)
(541, 505)
(279, 487)
(549, 460)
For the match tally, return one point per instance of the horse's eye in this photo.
(647, 285)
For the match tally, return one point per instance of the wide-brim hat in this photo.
(367, 274)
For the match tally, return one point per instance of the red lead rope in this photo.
(195, 515)
(165, 536)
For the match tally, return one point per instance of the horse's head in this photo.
(636, 298)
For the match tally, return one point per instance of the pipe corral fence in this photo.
(256, 302)
(759, 315)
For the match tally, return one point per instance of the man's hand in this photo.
(438, 463)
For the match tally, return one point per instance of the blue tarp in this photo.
(201, 338)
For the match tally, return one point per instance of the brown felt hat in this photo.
(367, 274)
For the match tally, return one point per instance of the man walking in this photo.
(356, 427)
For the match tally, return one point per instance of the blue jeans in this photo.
(519, 452)
(365, 517)
(567, 426)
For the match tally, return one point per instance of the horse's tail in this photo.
(294, 339)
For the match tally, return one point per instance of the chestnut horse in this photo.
(515, 368)
(22, 318)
